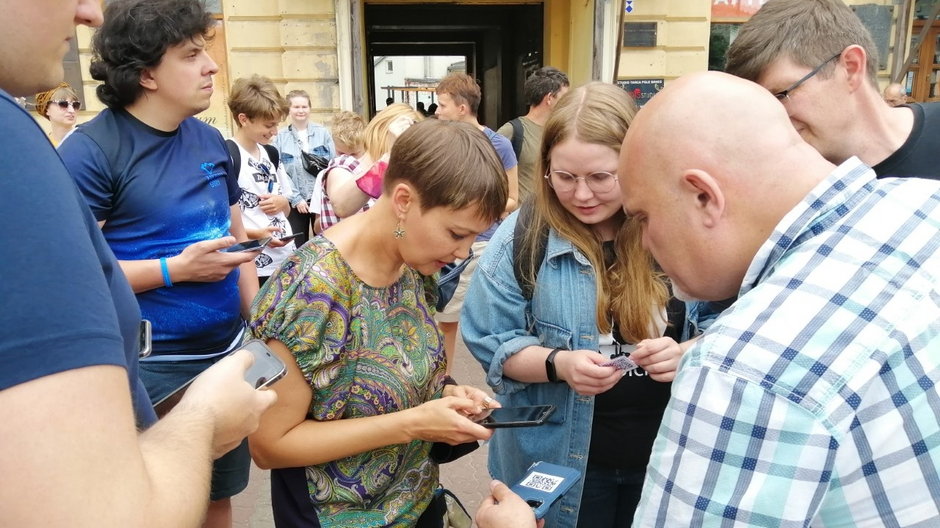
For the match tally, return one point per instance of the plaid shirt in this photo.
(813, 400)
(327, 215)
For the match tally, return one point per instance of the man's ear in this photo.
(147, 80)
(709, 201)
(855, 61)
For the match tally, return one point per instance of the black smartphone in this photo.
(517, 416)
(146, 339)
(266, 369)
(250, 245)
(288, 238)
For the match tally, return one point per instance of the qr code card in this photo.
(542, 481)
(623, 363)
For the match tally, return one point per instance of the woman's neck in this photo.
(59, 132)
(367, 244)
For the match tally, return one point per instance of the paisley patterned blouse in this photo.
(365, 351)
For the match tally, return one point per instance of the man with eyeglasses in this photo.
(821, 63)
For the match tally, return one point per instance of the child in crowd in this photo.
(257, 107)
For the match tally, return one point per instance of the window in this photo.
(639, 34)
(389, 68)
(721, 37)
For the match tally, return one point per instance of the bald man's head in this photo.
(710, 165)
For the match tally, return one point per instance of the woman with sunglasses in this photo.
(595, 295)
(60, 106)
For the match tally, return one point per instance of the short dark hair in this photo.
(135, 36)
(451, 164)
(805, 31)
(463, 89)
(543, 81)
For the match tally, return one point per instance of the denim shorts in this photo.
(229, 473)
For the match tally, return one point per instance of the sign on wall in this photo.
(641, 89)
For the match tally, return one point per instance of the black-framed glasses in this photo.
(565, 182)
(76, 105)
(785, 94)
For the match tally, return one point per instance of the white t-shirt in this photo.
(257, 177)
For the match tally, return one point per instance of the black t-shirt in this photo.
(919, 156)
(627, 417)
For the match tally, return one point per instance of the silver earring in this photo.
(399, 231)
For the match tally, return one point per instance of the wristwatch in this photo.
(550, 366)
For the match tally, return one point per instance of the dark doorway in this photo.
(500, 45)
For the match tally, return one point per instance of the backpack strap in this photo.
(273, 155)
(522, 260)
(518, 134)
(235, 153)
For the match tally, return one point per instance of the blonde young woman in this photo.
(595, 294)
(351, 314)
(345, 182)
(60, 106)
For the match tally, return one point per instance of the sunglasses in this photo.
(76, 105)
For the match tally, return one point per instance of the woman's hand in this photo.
(658, 357)
(445, 420)
(302, 207)
(481, 398)
(582, 371)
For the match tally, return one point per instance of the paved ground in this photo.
(466, 477)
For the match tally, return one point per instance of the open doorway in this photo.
(497, 44)
(411, 79)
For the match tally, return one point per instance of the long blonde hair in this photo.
(598, 113)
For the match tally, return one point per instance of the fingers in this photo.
(499, 491)
(208, 246)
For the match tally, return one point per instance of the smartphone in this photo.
(288, 238)
(543, 484)
(517, 416)
(266, 369)
(251, 245)
(146, 339)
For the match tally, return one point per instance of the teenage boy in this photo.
(458, 97)
(69, 390)
(159, 183)
(257, 108)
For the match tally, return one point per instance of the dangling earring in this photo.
(399, 231)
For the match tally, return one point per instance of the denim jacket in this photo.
(319, 142)
(497, 322)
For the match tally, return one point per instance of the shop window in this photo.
(639, 34)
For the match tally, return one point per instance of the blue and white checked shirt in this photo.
(813, 400)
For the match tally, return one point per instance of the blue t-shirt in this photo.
(166, 190)
(66, 302)
(508, 156)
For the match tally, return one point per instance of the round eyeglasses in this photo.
(76, 105)
(565, 182)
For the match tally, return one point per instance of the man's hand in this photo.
(505, 509)
(203, 262)
(234, 406)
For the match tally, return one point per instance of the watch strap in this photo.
(550, 371)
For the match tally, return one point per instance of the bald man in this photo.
(812, 401)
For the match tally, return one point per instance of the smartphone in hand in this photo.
(266, 369)
(543, 484)
(250, 245)
(516, 416)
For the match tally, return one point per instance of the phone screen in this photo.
(251, 245)
(517, 416)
